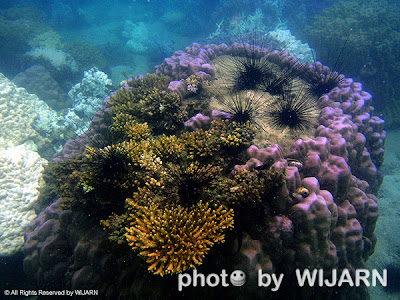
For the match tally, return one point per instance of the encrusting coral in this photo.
(175, 239)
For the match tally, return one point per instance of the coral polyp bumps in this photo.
(178, 183)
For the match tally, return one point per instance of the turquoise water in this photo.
(61, 61)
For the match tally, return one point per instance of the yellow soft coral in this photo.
(175, 239)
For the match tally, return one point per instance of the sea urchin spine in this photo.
(294, 112)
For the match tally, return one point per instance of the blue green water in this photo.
(124, 39)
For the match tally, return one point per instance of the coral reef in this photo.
(175, 239)
(26, 118)
(37, 80)
(260, 16)
(49, 39)
(138, 42)
(258, 28)
(86, 56)
(20, 170)
(137, 36)
(158, 197)
(88, 95)
(287, 41)
(125, 127)
(18, 113)
(148, 100)
(240, 25)
(54, 57)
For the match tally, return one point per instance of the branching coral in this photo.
(194, 83)
(169, 148)
(260, 187)
(185, 165)
(147, 100)
(200, 144)
(197, 97)
(242, 188)
(126, 128)
(62, 179)
(233, 136)
(175, 239)
(115, 225)
(172, 218)
(224, 137)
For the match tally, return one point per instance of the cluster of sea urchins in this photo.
(253, 87)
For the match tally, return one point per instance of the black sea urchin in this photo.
(109, 163)
(241, 73)
(323, 81)
(278, 83)
(245, 106)
(254, 70)
(189, 184)
(247, 69)
(295, 112)
(284, 79)
(250, 73)
(106, 178)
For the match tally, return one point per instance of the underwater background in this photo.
(140, 139)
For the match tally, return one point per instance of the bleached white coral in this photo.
(241, 25)
(18, 111)
(20, 173)
(288, 42)
(86, 97)
(57, 58)
(95, 85)
(24, 117)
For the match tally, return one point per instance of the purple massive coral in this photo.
(332, 225)
(323, 216)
